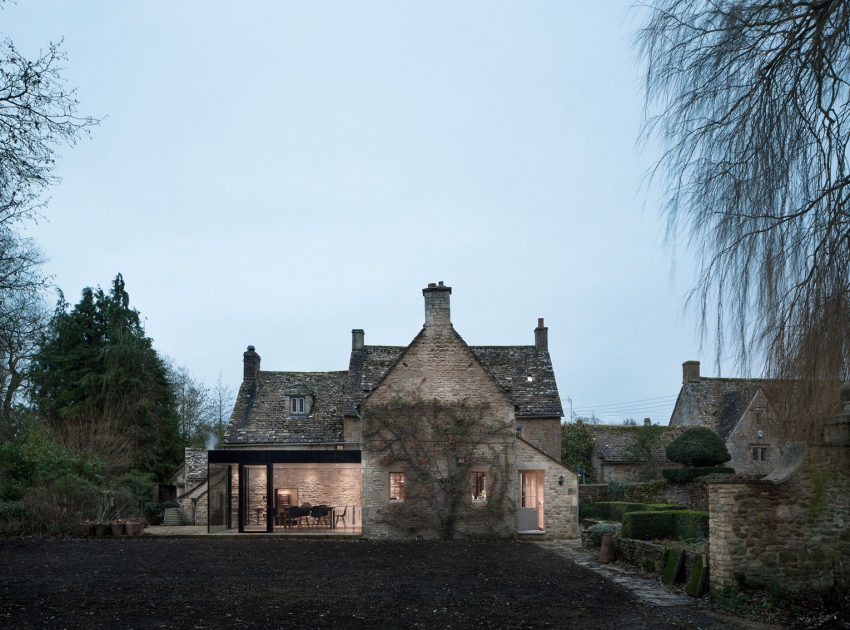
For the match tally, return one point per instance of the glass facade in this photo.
(284, 491)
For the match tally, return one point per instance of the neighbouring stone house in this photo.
(742, 411)
(790, 529)
(297, 438)
(611, 459)
(190, 482)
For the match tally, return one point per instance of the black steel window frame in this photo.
(244, 458)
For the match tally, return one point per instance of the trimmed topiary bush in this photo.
(683, 475)
(698, 446)
(614, 510)
(669, 524)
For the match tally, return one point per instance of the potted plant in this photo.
(117, 527)
(101, 520)
(133, 527)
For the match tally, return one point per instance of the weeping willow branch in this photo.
(751, 101)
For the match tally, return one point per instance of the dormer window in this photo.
(296, 404)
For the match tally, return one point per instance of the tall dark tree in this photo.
(750, 99)
(96, 361)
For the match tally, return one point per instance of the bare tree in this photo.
(23, 320)
(752, 103)
(37, 113)
(439, 445)
(196, 406)
(223, 399)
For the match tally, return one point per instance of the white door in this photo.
(530, 509)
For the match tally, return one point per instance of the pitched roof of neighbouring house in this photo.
(611, 442)
(509, 366)
(717, 403)
(261, 414)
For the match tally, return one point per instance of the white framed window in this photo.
(296, 404)
(479, 487)
(397, 487)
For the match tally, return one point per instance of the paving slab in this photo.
(647, 590)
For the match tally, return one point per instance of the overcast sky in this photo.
(278, 173)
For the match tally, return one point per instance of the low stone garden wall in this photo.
(693, 494)
(592, 492)
(791, 533)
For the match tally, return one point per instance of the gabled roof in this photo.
(511, 366)
(717, 403)
(261, 414)
(508, 366)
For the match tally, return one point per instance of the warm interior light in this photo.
(529, 378)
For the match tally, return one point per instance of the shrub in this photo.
(683, 475)
(614, 510)
(595, 532)
(616, 490)
(59, 506)
(698, 446)
(669, 524)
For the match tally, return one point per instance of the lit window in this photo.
(479, 486)
(296, 404)
(397, 486)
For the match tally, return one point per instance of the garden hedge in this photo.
(683, 475)
(667, 524)
(614, 510)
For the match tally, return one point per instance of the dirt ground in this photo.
(275, 582)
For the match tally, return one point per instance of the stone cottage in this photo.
(743, 412)
(612, 460)
(336, 452)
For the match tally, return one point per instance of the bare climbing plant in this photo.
(439, 445)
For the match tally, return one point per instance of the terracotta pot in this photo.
(87, 529)
(606, 551)
(133, 528)
(101, 529)
(117, 528)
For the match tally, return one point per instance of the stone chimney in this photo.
(250, 363)
(541, 336)
(690, 372)
(357, 339)
(437, 308)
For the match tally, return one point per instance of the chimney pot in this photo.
(541, 336)
(357, 339)
(690, 372)
(250, 363)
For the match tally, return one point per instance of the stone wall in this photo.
(437, 365)
(544, 433)
(330, 484)
(693, 494)
(648, 556)
(757, 429)
(793, 532)
(589, 493)
(560, 502)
